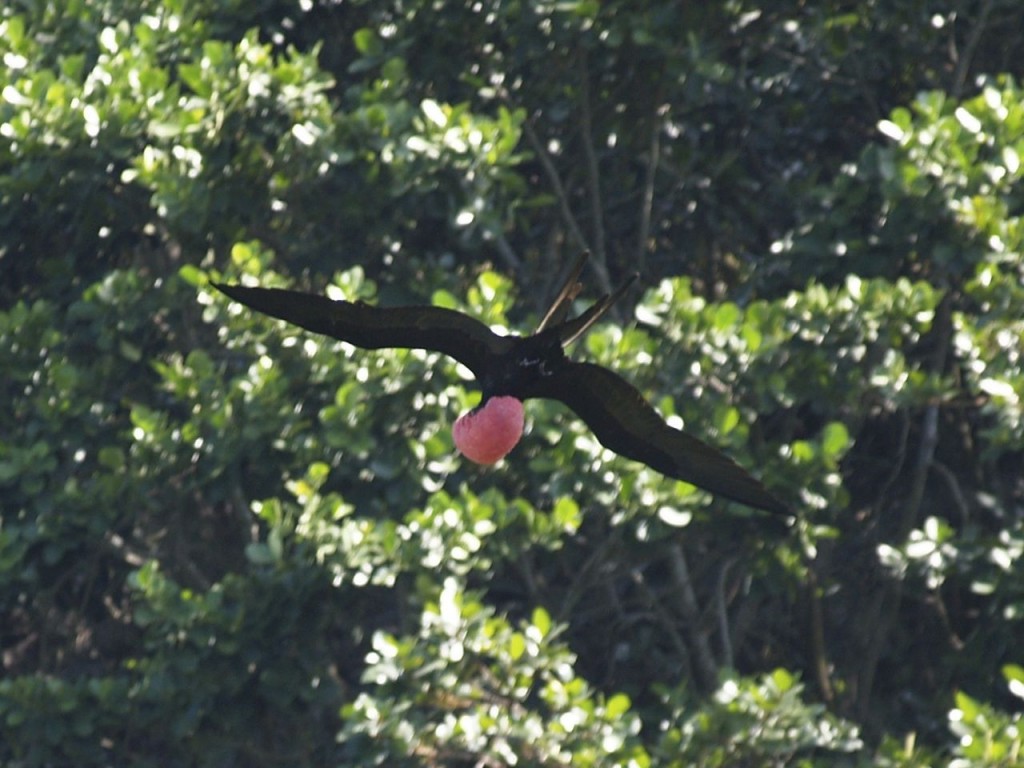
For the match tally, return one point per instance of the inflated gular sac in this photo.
(487, 433)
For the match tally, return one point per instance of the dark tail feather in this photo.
(568, 293)
(569, 331)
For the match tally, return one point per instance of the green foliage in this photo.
(225, 541)
(986, 735)
(757, 722)
(940, 198)
(469, 686)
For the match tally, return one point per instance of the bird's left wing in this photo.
(419, 327)
(625, 423)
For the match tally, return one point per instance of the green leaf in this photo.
(566, 514)
(1014, 675)
(967, 707)
(516, 646)
(192, 275)
(726, 316)
(727, 418)
(367, 42)
(111, 457)
(617, 706)
(835, 439)
(443, 298)
(541, 620)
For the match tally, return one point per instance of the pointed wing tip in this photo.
(757, 496)
(224, 288)
(247, 295)
(770, 512)
(776, 507)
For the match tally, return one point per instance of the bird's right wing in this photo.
(625, 423)
(419, 327)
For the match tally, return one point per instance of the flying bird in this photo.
(512, 369)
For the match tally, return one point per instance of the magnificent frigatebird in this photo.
(511, 369)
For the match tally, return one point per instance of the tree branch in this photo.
(963, 61)
(556, 185)
(704, 660)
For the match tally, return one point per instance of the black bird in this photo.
(511, 369)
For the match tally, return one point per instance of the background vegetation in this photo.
(225, 542)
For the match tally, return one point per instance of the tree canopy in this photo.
(226, 541)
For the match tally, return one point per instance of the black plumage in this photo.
(526, 367)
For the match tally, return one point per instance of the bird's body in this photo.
(520, 368)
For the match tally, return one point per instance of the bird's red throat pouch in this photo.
(488, 433)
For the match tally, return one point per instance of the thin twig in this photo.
(666, 619)
(556, 185)
(647, 204)
(956, 494)
(593, 176)
(819, 656)
(887, 603)
(973, 40)
(507, 252)
(723, 614)
(706, 667)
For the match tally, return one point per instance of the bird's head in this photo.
(489, 431)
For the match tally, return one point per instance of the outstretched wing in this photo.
(624, 422)
(434, 328)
